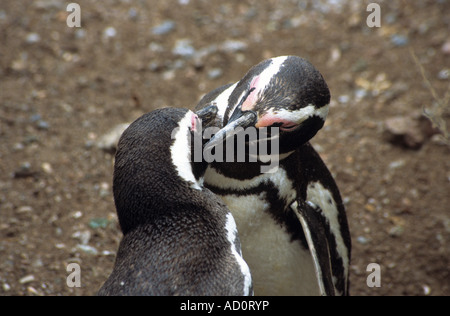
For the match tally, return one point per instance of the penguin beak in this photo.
(208, 114)
(238, 119)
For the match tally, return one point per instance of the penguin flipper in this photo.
(313, 224)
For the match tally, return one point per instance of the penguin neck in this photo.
(248, 170)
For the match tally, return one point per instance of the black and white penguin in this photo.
(292, 222)
(179, 238)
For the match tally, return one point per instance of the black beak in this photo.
(208, 114)
(238, 119)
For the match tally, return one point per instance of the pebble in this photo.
(47, 168)
(184, 48)
(396, 231)
(83, 236)
(233, 46)
(362, 240)
(408, 131)
(109, 141)
(444, 74)
(24, 171)
(344, 99)
(109, 32)
(397, 164)
(426, 289)
(33, 38)
(133, 14)
(25, 209)
(27, 279)
(215, 73)
(88, 249)
(164, 28)
(6, 287)
(98, 223)
(399, 40)
(446, 48)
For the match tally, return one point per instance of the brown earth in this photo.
(62, 88)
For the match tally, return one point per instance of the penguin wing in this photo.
(313, 224)
(322, 214)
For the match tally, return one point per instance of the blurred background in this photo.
(63, 90)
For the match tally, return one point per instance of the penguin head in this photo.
(153, 163)
(286, 92)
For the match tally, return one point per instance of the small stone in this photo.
(184, 48)
(77, 214)
(164, 28)
(444, 74)
(43, 125)
(133, 14)
(33, 38)
(88, 249)
(25, 209)
(344, 99)
(370, 208)
(47, 168)
(109, 32)
(396, 231)
(6, 287)
(24, 171)
(233, 46)
(362, 240)
(446, 48)
(27, 279)
(83, 236)
(98, 223)
(399, 40)
(109, 141)
(215, 73)
(397, 164)
(32, 291)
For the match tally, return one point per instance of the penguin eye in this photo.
(289, 127)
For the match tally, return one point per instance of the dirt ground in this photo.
(62, 89)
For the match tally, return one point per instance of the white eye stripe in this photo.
(266, 76)
(299, 116)
(180, 151)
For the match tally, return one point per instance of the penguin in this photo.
(178, 237)
(292, 222)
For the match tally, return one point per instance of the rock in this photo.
(446, 48)
(24, 171)
(88, 249)
(409, 132)
(233, 46)
(33, 38)
(215, 73)
(399, 40)
(109, 32)
(184, 48)
(6, 287)
(164, 28)
(109, 141)
(444, 74)
(362, 240)
(98, 223)
(27, 279)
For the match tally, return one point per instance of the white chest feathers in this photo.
(278, 265)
